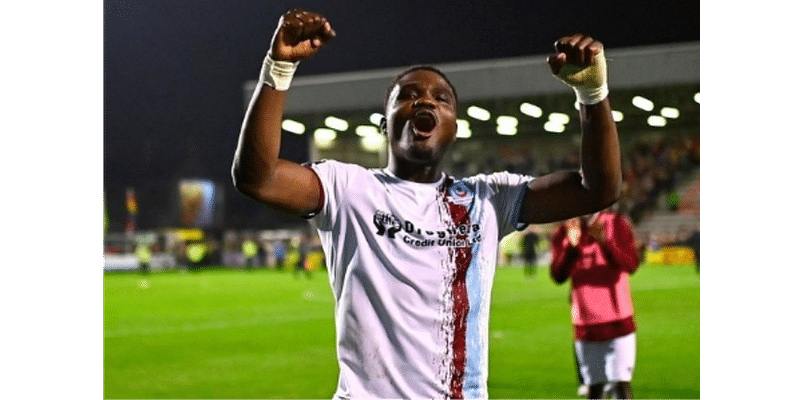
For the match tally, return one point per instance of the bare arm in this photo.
(257, 171)
(565, 194)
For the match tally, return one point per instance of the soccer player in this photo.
(411, 251)
(598, 253)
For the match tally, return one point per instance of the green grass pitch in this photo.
(268, 334)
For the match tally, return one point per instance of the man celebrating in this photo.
(410, 251)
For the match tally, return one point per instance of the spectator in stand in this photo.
(692, 241)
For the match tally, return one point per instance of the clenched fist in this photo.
(579, 62)
(300, 35)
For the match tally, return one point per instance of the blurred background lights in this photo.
(554, 127)
(656, 120)
(617, 115)
(373, 143)
(642, 103)
(559, 118)
(530, 110)
(478, 113)
(506, 120)
(293, 126)
(376, 118)
(507, 130)
(324, 138)
(367, 130)
(336, 123)
(464, 130)
(670, 112)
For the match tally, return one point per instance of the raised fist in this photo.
(579, 62)
(300, 34)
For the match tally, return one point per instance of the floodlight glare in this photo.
(463, 130)
(506, 120)
(478, 113)
(670, 112)
(656, 120)
(293, 126)
(507, 130)
(642, 103)
(366, 130)
(336, 123)
(324, 135)
(375, 118)
(530, 110)
(559, 118)
(554, 127)
(373, 143)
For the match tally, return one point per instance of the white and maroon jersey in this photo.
(411, 266)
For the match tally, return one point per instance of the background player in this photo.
(598, 253)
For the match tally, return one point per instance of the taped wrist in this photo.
(591, 96)
(278, 74)
(589, 83)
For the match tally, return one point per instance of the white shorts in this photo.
(609, 361)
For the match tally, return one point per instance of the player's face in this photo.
(421, 117)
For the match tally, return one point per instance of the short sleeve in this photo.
(507, 193)
(334, 177)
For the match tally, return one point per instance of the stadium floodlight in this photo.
(506, 120)
(324, 138)
(293, 126)
(478, 113)
(656, 120)
(670, 112)
(336, 123)
(642, 103)
(366, 130)
(559, 118)
(554, 127)
(507, 130)
(463, 130)
(530, 110)
(376, 118)
(697, 97)
(617, 115)
(373, 143)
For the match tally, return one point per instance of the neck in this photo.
(414, 172)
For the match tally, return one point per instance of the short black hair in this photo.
(410, 70)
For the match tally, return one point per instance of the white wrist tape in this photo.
(591, 96)
(277, 74)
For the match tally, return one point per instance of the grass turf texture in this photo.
(268, 334)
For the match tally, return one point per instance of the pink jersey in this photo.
(601, 301)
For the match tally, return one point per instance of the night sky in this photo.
(173, 70)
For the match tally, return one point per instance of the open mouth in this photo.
(424, 121)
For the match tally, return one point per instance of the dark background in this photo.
(173, 72)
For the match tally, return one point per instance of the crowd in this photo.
(651, 170)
